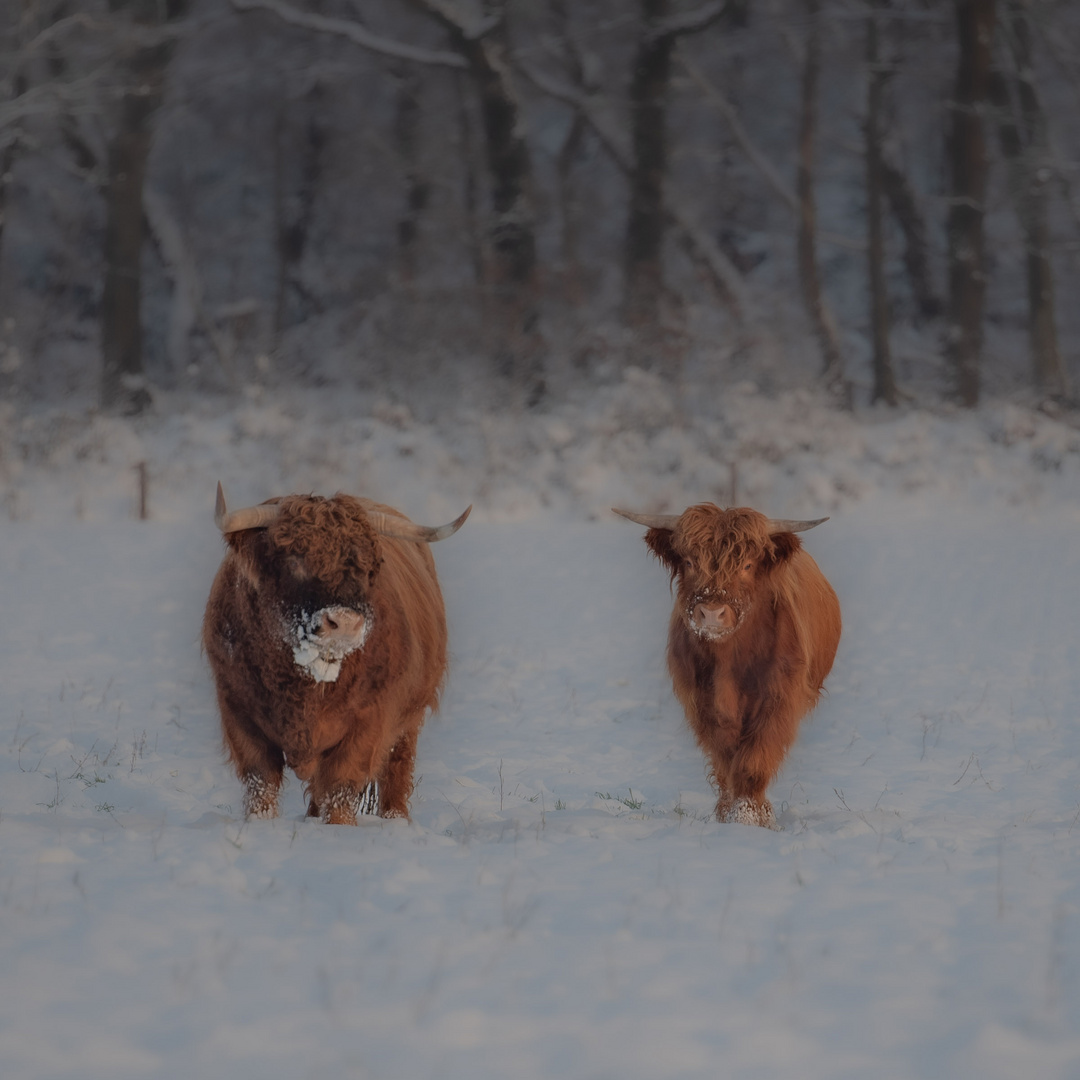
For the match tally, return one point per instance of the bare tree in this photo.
(809, 278)
(877, 74)
(904, 203)
(295, 204)
(470, 185)
(484, 45)
(417, 187)
(143, 68)
(590, 106)
(1022, 133)
(964, 227)
(479, 47)
(768, 172)
(660, 30)
(907, 214)
(52, 66)
(568, 152)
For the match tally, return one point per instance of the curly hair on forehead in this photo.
(722, 541)
(334, 537)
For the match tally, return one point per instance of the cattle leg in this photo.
(261, 795)
(338, 792)
(741, 799)
(341, 804)
(345, 803)
(720, 767)
(259, 765)
(752, 767)
(717, 736)
(396, 787)
(725, 804)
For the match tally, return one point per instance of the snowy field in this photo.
(560, 904)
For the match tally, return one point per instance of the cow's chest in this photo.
(727, 686)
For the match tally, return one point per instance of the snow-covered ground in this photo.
(560, 904)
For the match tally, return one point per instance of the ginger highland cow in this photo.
(326, 634)
(752, 637)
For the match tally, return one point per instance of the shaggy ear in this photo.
(246, 546)
(659, 543)
(784, 544)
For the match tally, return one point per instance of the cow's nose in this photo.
(714, 616)
(340, 623)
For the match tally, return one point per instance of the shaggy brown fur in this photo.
(337, 736)
(745, 692)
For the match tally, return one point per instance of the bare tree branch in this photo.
(354, 32)
(965, 225)
(187, 311)
(817, 307)
(55, 30)
(454, 20)
(611, 139)
(702, 246)
(51, 98)
(757, 158)
(723, 270)
(690, 22)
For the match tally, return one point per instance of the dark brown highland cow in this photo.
(752, 638)
(326, 633)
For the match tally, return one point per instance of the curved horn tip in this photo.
(785, 525)
(448, 530)
(219, 506)
(650, 521)
(252, 517)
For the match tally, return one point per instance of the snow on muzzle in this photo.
(715, 615)
(322, 639)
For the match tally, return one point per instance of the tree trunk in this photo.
(1023, 139)
(645, 224)
(809, 279)
(512, 233)
(967, 156)
(568, 153)
(569, 239)
(469, 197)
(877, 75)
(417, 189)
(295, 207)
(8, 156)
(123, 384)
(513, 227)
(906, 213)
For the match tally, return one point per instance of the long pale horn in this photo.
(251, 517)
(650, 521)
(401, 528)
(777, 525)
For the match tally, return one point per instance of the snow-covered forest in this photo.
(201, 195)
(545, 257)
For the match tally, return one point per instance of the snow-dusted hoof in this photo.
(345, 804)
(260, 797)
(748, 812)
